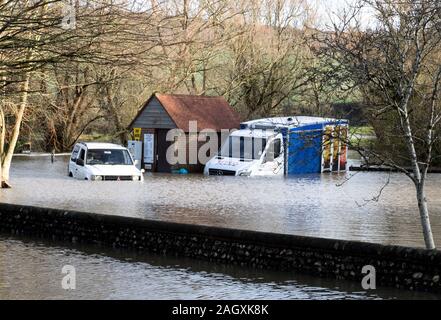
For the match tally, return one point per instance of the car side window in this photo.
(75, 151)
(273, 151)
(277, 150)
(82, 154)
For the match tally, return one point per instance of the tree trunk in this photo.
(3, 184)
(113, 111)
(424, 215)
(419, 180)
(6, 165)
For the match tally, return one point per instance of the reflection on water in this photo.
(30, 270)
(312, 205)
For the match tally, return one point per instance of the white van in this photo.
(264, 155)
(283, 146)
(97, 161)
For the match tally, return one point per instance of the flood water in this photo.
(325, 205)
(312, 205)
(31, 269)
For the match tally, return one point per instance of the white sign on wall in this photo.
(135, 149)
(148, 147)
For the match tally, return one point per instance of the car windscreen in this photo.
(243, 147)
(108, 157)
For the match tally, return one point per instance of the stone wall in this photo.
(400, 267)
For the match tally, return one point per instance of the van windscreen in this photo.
(108, 157)
(249, 148)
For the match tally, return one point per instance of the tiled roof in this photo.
(209, 112)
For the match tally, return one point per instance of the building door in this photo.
(162, 144)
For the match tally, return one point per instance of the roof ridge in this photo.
(187, 95)
(210, 112)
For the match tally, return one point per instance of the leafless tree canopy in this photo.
(395, 66)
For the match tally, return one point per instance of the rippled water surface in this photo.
(314, 205)
(32, 270)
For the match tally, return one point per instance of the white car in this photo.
(97, 161)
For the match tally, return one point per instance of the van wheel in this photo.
(70, 174)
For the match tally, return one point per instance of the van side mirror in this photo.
(136, 162)
(80, 162)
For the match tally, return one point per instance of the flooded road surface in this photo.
(32, 270)
(306, 205)
(313, 205)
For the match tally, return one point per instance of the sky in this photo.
(328, 9)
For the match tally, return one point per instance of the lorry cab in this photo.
(249, 152)
(102, 161)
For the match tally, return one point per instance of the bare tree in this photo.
(269, 60)
(395, 65)
(191, 36)
(120, 91)
(66, 106)
(18, 58)
(33, 34)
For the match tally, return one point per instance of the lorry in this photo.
(283, 146)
